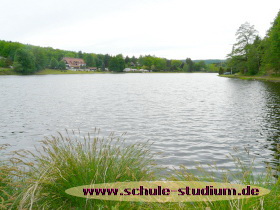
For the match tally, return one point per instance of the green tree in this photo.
(254, 54)
(190, 64)
(24, 61)
(61, 65)
(134, 60)
(80, 54)
(221, 71)
(159, 64)
(212, 67)
(185, 67)
(176, 65)
(271, 60)
(117, 63)
(127, 59)
(40, 57)
(106, 60)
(245, 36)
(200, 66)
(90, 60)
(53, 63)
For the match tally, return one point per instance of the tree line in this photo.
(27, 59)
(253, 55)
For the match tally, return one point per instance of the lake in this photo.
(190, 118)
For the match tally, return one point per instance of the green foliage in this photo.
(40, 58)
(199, 66)
(221, 71)
(73, 160)
(151, 62)
(65, 162)
(24, 61)
(117, 63)
(90, 61)
(159, 64)
(212, 67)
(127, 60)
(254, 54)
(80, 54)
(271, 58)
(243, 50)
(185, 68)
(176, 65)
(190, 64)
(61, 65)
(5, 62)
(251, 55)
(42, 55)
(53, 63)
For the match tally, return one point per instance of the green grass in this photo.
(71, 160)
(263, 78)
(65, 162)
(7, 71)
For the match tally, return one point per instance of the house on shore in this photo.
(74, 63)
(92, 68)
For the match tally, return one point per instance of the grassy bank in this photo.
(262, 78)
(7, 71)
(39, 181)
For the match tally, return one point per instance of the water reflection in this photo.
(271, 129)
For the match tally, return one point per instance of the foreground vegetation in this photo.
(38, 180)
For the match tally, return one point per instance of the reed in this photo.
(73, 160)
(38, 180)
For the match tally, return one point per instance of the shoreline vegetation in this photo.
(261, 78)
(38, 180)
(8, 71)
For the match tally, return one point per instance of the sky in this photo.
(177, 29)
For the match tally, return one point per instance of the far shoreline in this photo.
(7, 71)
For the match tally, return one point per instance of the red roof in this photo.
(74, 61)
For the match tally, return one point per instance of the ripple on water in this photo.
(189, 117)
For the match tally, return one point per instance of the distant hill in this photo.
(209, 61)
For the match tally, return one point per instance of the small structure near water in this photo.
(74, 63)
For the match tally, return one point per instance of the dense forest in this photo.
(250, 55)
(253, 55)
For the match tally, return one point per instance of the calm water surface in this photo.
(190, 117)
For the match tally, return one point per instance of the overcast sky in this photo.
(174, 29)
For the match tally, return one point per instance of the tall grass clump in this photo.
(12, 177)
(73, 160)
(38, 180)
(6, 185)
(244, 173)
